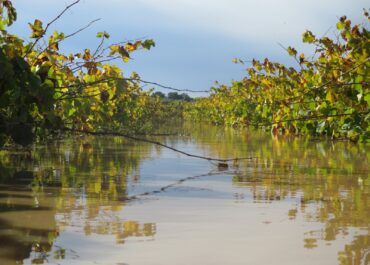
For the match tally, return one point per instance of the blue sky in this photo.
(196, 39)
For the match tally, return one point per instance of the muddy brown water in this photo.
(107, 200)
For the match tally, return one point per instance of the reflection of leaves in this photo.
(310, 243)
(38, 261)
(357, 252)
(102, 171)
(322, 177)
(60, 254)
(292, 213)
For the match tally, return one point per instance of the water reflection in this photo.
(80, 186)
(333, 177)
(69, 183)
(27, 222)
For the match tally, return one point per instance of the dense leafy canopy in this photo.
(43, 90)
(327, 94)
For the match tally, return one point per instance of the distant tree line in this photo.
(173, 96)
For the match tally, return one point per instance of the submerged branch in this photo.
(131, 137)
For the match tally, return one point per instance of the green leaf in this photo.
(367, 99)
(292, 51)
(71, 111)
(358, 83)
(102, 34)
(124, 53)
(37, 30)
(2, 24)
(340, 25)
(308, 37)
(147, 44)
(320, 127)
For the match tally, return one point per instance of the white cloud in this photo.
(253, 20)
(196, 38)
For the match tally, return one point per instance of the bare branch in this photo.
(82, 29)
(109, 79)
(171, 88)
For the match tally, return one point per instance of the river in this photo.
(108, 200)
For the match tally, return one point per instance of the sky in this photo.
(196, 40)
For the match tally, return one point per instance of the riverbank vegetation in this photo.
(326, 94)
(45, 92)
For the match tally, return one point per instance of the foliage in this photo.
(327, 94)
(43, 90)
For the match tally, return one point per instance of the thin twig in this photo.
(172, 88)
(109, 79)
(99, 46)
(70, 35)
(82, 29)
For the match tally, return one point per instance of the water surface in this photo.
(107, 200)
